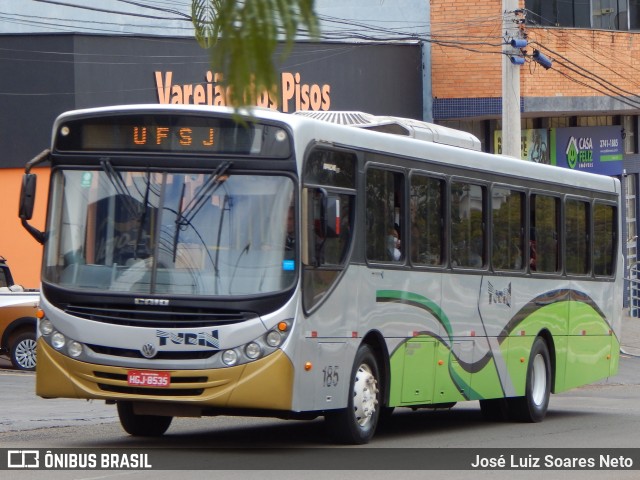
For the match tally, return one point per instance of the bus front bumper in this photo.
(264, 384)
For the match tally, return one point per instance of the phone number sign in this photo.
(590, 149)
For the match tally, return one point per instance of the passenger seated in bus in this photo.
(393, 245)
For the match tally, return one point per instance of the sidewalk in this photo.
(630, 338)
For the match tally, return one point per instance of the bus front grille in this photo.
(162, 355)
(162, 317)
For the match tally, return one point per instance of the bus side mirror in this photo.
(330, 214)
(27, 196)
(27, 202)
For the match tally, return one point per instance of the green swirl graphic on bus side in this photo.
(453, 378)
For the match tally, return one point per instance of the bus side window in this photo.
(384, 216)
(507, 229)
(544, 246)
(426, 196)
(577, 241)
(604, 241)
(467, 225)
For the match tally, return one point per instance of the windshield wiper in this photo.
(186, 214)
(200, 198)
(142, 217)
(135, 210)
(120, 187)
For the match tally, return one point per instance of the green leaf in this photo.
(242, 38)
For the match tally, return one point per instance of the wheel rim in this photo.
(538, 380)
(25, 353)
(365, 395)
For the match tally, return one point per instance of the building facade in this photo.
(580, 113)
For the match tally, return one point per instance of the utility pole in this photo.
(511, 124)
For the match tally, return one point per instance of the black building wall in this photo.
(44, 75)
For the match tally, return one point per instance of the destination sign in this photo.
(172, 134)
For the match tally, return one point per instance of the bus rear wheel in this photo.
(533, 406)
(141, 425)
(357, 423)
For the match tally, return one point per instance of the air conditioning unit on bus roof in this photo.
(429, 132)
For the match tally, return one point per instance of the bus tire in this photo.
(533, 406)
(357, 423)
(141, 425)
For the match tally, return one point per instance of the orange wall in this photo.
(22, 252)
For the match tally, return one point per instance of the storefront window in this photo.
(634, 14)
(598, 14)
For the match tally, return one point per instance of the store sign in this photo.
(534, 144)
(590, 149)
(296, 94)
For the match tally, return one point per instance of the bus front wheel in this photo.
(533, 406)
(357, 423)
(141, 425)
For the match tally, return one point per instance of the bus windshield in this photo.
(171, 233)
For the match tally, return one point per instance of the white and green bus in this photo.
(200, 262)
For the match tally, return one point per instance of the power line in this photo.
(93, 25)
(151, 7)
(104, 10)
(382, 33)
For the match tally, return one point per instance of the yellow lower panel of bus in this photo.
(266, 383)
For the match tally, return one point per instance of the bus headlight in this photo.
(252, 350)
(46, 327)
(230, 357)
(274, 339)
(58, 340)
(257, 348)
(74, 349)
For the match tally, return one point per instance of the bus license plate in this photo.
(146, 378)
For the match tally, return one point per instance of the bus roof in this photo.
(392, 135)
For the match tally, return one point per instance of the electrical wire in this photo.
(589, 51)
(152, 7)
(104, 10)
(446, 34)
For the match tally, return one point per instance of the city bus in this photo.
(201, 261)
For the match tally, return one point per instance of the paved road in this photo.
(22, 410)
(605, 415)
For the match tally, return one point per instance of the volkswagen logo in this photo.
(148, 350)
